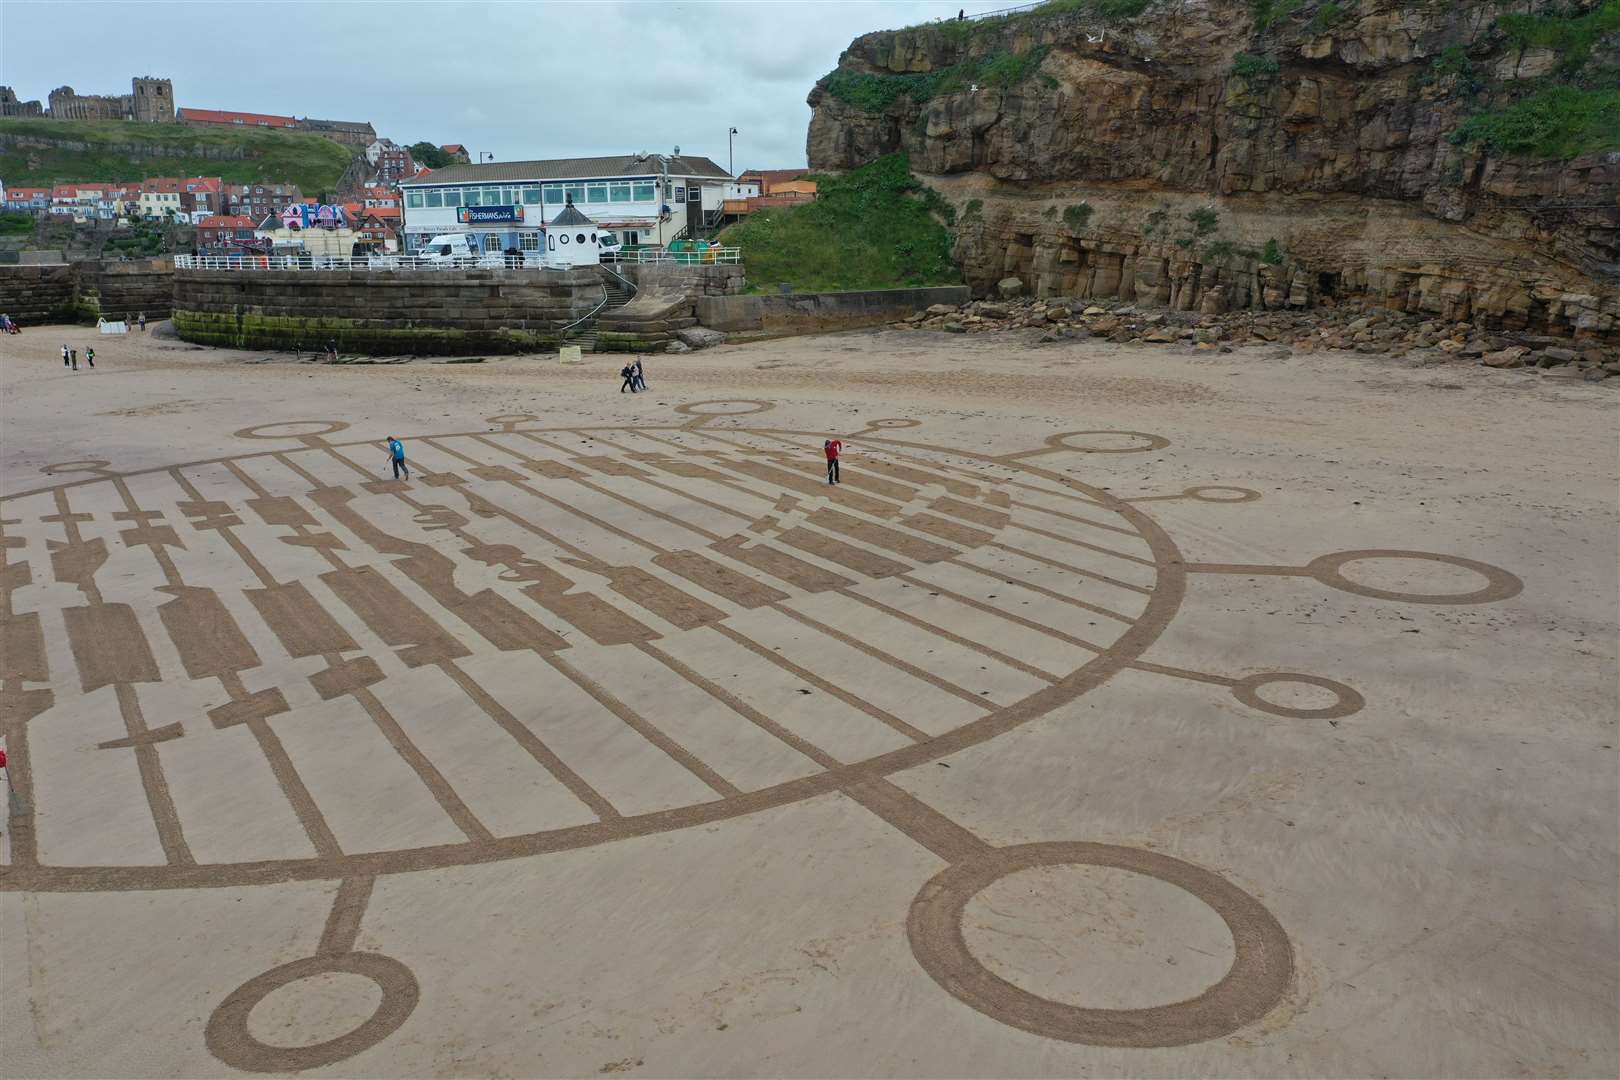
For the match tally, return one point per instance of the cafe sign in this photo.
(488, 215)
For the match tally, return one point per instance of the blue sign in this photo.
(488, 215)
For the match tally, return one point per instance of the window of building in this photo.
(531, 196)
(646, 190)
(492, 196)
(680, 194)
(472, 196)
(563, 238)
(551, 242)
(452, 197)
(529, 241)
(554, 194)
(492, 242)
(579, 238)
(596, 193)
(620, 192)
(435, 198)
(575, 192)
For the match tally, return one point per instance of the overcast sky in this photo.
(520, 79)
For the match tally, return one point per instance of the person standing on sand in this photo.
(75, 353)
(331, 352)
(396, 457)
(141, 318)
(832, 447)
(90, 355)
(64, 355)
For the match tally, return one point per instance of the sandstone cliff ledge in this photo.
(1216, 154)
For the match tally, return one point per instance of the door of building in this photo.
(694, 210)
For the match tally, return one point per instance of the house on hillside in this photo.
(231, 118)
(762, 189)
(458, 153)
(640, 198)
(257, 200)
(225, 230)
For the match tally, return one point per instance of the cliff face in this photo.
(1218, 153)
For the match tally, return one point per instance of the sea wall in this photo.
(807, 313)
(422, 312)
(82, 291)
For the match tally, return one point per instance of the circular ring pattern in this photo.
(1499, 584)
(1262, 968)
(509, 419)
(263, 431)
(89, 465)
(229, 1039)
(1350, 700)
(1154, 442)
(691, 407)
(894, 422)
(1243, 494)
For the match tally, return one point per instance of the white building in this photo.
(647, 199)
(571, 238)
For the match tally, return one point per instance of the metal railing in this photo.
(683, 258)
(529, 260)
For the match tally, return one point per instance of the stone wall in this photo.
(808, 313)
(720, 279)
(34, 294)
(384, 312)
(123, 290)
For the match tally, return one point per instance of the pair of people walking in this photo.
(635, 380)
(70, 357)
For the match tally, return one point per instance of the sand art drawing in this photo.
(289, 597)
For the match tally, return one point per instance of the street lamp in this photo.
(731, 164)
(485, 155)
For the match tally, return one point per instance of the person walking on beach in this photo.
(832, 447)
(141, 318)
(64, 355)
(75, 353)
(628, 374)
(90, 355)
(331, 351)
(641, 378)
(396, 457)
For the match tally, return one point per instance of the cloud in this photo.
(519, 79)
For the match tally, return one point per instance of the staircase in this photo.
(617, 292)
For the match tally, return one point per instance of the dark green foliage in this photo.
(15, 224)
(1204, 221)
(1254, 68)
(1184, 242)
(1327, 15)
(873, 228)
(1267, 13)
(1567, 33)
(113, 150)
(1218, 250)
(1049, 212)
(1076, 216)
(1272, 255)
(1155, 221)
(1557, 122)
(972, 210)
(143, 240)
(425, 153)
(874, 93)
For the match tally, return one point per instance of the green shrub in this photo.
(1272, 255)
(1218, 250)
(872, 228)
(1255, 68)
(874, 93)
(1327, 15)
(1204, 221)
(972, 210)
(1076, 216)
(1569, 34)
(1155, 221)
(1557, 122)
(1267, 13)
(13, 223)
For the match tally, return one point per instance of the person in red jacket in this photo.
(832, 447)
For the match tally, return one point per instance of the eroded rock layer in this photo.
(1215, 154)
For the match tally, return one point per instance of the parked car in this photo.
(608, 247)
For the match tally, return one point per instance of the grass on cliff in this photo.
(1566, 33)
(873, 228)
(112, 150)
(1558, 122)
(875, 92)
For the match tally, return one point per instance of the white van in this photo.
(451, 249)
(607, 244)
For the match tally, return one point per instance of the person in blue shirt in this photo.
(396, 456)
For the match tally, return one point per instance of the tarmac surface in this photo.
(1124, 711)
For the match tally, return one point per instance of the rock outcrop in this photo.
(1216, 154)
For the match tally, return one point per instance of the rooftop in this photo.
(575, 169)
(227, 116)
